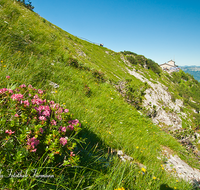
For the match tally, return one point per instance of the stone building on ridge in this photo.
(170, 66)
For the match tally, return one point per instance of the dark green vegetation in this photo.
(135, 59)
(27, 5)
(184, 86)
(34, 51)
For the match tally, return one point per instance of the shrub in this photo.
(132, 60)
(184, 76)
(73, 62)
(27, 5)
(100, 76)
(135, 93)
(176, 78)
(87, 91)
(128, 53)
(140, 59)
(153, 66)
(33, 128)
(194, 105)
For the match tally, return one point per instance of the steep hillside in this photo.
(133, 116)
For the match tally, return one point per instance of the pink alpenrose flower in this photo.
(63, 140)
(7, 77)
(17, 97)
(10, 132)
(3, 90)
(53, 122)
(71, 127)
(22, 86)
(71, 154)
(30, 86)
(63, 129)
(40, 91)
(34, 150)
(66, 110)
(16, 115)
(42, 118)
(41, 130)
(26, 102)
(31, 143)
(10, 91)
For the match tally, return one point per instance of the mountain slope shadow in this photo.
(165, 187)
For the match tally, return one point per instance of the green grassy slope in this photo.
(34, 51)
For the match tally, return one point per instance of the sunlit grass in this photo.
(36, 52)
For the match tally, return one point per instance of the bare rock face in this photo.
(53, 84)
(183, 170)
(81, 53)
(125, 61)
(123, 156)
(163, 111)
(169, 119)
(158, 100)
(121, 88)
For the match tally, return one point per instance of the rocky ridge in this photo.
(156, 99)
(174, 165)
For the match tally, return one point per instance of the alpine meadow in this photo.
(77, 115)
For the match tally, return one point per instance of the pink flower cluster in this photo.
(37, 101)
(30, 86)
(10, 132)
(58, 110)
(3, 90)
(8, 77)
(71, 126)
(26, 102)
(63, 140)
(41, 130)
(17, 97)
(46, 110)
(40, 91)
(66, 110)
(50, 112)
(54, 106)
(72, 154)
(32, 142)
(10, 91)
(42, 118)
(16, 115)
(53, 122)
(52, 102)
(63, 129)
(59, 117)
(74, 122)
(22, 86)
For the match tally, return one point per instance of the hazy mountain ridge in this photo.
(193, 70)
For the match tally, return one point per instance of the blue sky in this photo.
(158, 29)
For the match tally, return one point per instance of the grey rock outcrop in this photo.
(157, 98)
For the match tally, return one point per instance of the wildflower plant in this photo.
(31, 127)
